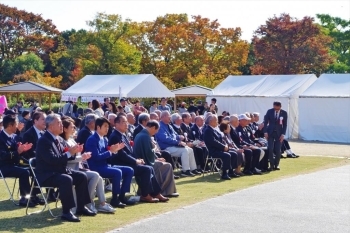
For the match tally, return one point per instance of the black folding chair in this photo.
(213, 165)
(8, 188)
(35, 184)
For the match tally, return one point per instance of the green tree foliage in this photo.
(20, 65)
(339, 30)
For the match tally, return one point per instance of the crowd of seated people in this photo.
(117, 145)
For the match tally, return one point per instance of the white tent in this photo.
(134, 86)
(324, 109)
(256, 93)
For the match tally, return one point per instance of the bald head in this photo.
(165, 117)
(212, 120)
(234, 121)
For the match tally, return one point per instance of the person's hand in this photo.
(261, 126)
(86, 156)
(266, 136)
(24, 147)
(189, 144)
(20, 126)
(74, 149)
(181, 137)
(226, 148)
(182, 144)
(282, 138)
(116, 147)
(161, 159)
(140, 162)
(240, 150)
(245, 147)
(202, 144)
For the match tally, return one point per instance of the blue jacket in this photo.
(166, 136)
(99, 154)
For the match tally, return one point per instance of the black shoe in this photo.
(296, 156)
(255, 172)
(225, 177)
(270, 169)
(176, 177)
(264, 170)
(70, 217)
(233, 175)
(282, 157)
(116, 203)
(85, 211)
(291, 156)
(127, 201)
(196, 172)
(277, 168)
(36, 200)
(23, 202)
(247, 173)
(187, 173)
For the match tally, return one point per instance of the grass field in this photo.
(192, 190)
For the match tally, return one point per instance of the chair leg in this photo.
(46, 205)
(9, 191)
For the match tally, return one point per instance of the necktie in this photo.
(276, 117)
(58, 145)
(126, 142)
(41, 134)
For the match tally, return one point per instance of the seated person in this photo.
(11, 151)
(51, 170)
(218, 149)
(145, 150)
(144, 174)
(95, 181)
(225, 128)
(87, 130)
(170, 141)
(100, 152)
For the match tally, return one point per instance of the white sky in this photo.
(248, 14)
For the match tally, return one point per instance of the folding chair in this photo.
(35, 184)
(8, 188)
(176, 163)
(134, 185)
(213, 165)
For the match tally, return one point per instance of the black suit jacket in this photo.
(271, 124)
(83, 135)
(213, 140)
(124, 157)
(137, 130)
(244, 134)
(197, 133)
(30, 136)
(236, 138)
(8, 150)
(187, 129)
(50, 159)
(177, 130)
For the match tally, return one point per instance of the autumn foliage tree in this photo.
(182, 51)
(22, 32)
(286, 45)
(35, 76)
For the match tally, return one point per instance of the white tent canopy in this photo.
(194, 90)
(256, 93)
(325, 109)
(134, 86)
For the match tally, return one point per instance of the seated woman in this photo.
(225, 128)
(95, 181)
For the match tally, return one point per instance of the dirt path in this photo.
(320, 148)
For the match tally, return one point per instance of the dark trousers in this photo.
(234, 159)
(200, 154)
(167, 156)
(65, 182)
(239, 159)
(248, 155)
(264, 163)
(22, 174)
(274, 145)
(146, 180)
(225, 157)
(117, 174)
(285, 146)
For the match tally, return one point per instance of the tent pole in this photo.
(50, 95)
(17, 95)
(175, 104)
(40, 100)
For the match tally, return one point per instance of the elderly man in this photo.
(244, 137)
(87, 130)
(111, 118)
(143, 119)
(218, 149)
(51, 170)
(146, 151)
(200, 151)
(131, 125)
(170, 141)
(154, 116)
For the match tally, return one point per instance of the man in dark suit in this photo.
(34, 133)
(87, 130)
(51, 170)
(275, 122)
(11, 151)
(144, 174)
(218, 149)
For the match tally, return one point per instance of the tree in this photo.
(181, 51)
(35, 76)
(22, 32)
(20, 65)
(103, 50)
(286, 45)
(339, 30)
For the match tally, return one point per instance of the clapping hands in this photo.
(24, 147)
(116, 147)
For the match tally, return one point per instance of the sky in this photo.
(247, 14)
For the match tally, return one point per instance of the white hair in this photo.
(174, 117)
(111, 115)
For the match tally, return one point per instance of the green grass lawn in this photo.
(192, 190)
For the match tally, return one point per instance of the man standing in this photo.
(105, 105)
(275, 122)
(163, 105)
